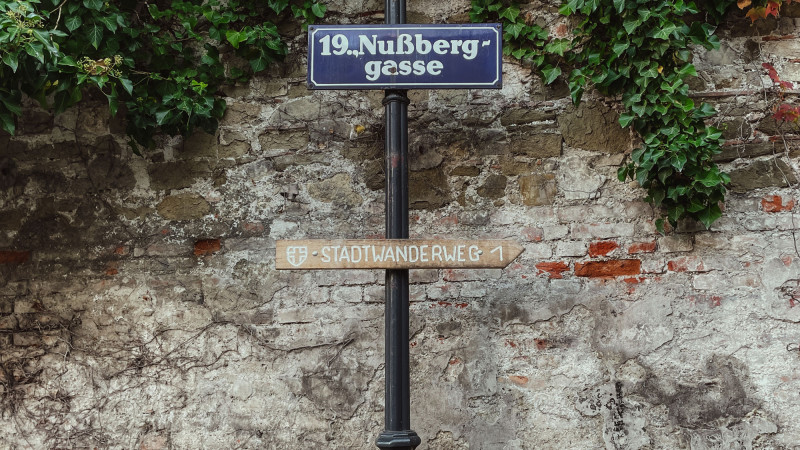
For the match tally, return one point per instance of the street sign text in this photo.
(404, 56)
(395, 254)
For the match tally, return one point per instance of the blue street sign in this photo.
(464, 56)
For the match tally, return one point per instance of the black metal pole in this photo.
(397, 431)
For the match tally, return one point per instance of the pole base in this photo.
(395, 439)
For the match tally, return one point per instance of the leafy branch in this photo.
(641, 51)
(162, 62)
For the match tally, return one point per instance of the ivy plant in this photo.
(163, 62)
(639, 51)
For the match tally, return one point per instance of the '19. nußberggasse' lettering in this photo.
(403, 44)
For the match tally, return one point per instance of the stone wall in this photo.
(140, 306)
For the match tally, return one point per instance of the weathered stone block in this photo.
(283, 140)
(539, 145)
(234, 149)
(676, 243)
(8, 323)
(465, 171)
(240, 112)
(270, 88)
(522, 116)
(493, 187)
(12, 219)
(183, 207)
(538, 189)
(746, 150)
(93, 120)
(571, 248)
(177, 174)
(602, 230)
(428, 189)
(40, 321)
(374, 177)
(594, 126)
(303, 109)
(12, 148)
(6, 304)
(736, 128)
(28, 339)
(107, 170)
(199, 145)
(283, 162)
(34, 120)
(761, 174)
(337, 189)
(362, 150)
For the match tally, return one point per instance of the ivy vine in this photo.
(163, 62)
(639, 51)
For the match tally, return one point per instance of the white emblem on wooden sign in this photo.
(296, 255)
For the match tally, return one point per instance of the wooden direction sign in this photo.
(394, 254)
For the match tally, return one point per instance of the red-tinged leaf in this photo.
(785, 84)
(773, 74)
(772, 8)
(742, 4)
(787, 113)
(757, 13)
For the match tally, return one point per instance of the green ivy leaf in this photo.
(513, 29)
(277, 5)
(676, 212)
(631, 24)
(318, 9)
(550, 74)
(665, 31)
(10, 59)
(558, 46)
(709, 215)
(95, 35)
(36, 50)
(127, 85)
(259, 63)
(658, 197)
(519, 53)
(678, 160)
(622, 173)
(235, 37)
(7, 122)
(113, 101)
(511, 13)
(73, 22)
(625, 119)
(687, 70)
(620, 47)
(96, 5)
(660, 225)
(163, 116)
